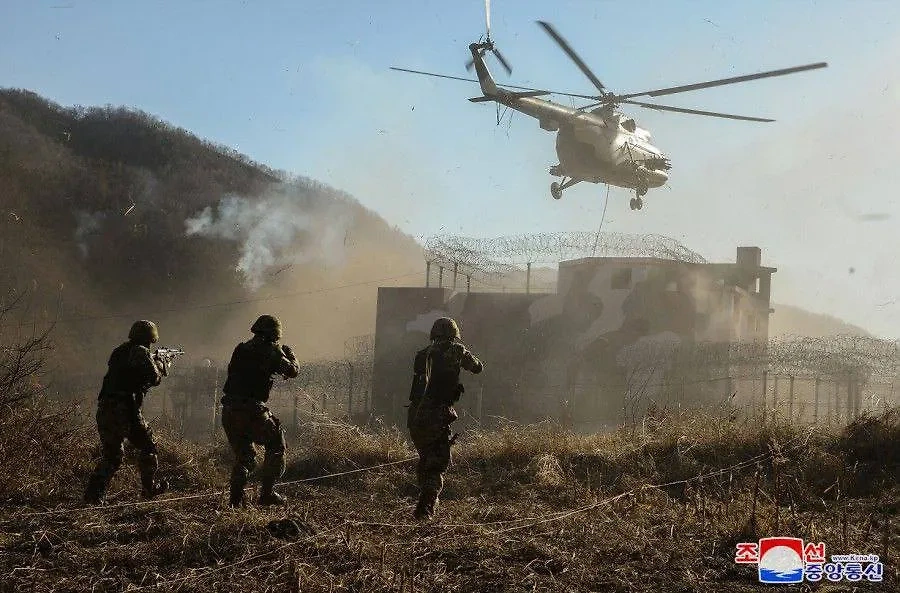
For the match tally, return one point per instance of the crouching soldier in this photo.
(435, 389)
(132, 371)
(245, 417)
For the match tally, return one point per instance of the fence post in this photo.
(849, 398)
(775, 398)
(791, 400)
(835, 406)
(324, 411)
(765, 389)
(350, 394)
(478, 403)
(816, 405)
(215, 400)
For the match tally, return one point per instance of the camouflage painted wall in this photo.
(604, 339)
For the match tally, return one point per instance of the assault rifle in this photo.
(167, 355)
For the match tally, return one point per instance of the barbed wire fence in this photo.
(795, 379)
(505, 263)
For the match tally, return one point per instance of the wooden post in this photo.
(440, 276)
(528, 278)
(427, 274)
(816, 405)
(765, 385)
(468, 282)
(323, 404)
(455, 273)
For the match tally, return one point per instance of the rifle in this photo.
(167, 355)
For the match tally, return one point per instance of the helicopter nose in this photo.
(656, 177)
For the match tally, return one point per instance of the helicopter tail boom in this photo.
(509, 95)
(488, 86)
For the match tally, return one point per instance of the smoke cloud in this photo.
(88, 224)
(288, 225)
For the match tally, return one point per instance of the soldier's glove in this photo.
(288, 352)
(162, 365)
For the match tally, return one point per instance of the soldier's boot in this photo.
(239, 477)
(426, 505)
(272, 470)
(268, 496)
(152, 487)
(95, 492)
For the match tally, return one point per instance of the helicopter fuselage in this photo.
(602, 146)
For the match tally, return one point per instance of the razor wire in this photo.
(491, 259)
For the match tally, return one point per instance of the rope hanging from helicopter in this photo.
(500, 115)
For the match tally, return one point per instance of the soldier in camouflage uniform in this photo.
(246, 418)
(435, 389)
(133, 370)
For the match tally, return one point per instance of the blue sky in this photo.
(305, 87)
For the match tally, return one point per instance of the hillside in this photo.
(788, 320)
(110, 214)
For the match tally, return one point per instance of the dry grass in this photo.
(501, 525)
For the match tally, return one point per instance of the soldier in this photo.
(133, 370)
(246, 418)
(435, 389)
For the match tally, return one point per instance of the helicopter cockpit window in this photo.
(629, 125)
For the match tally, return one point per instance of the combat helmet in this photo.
(267, 325)
(444, 328)
(143, 332)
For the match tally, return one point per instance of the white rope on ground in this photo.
(348, 472)
(219, 492)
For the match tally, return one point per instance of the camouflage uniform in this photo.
(132, 371)
(245, 417)
(435, 389)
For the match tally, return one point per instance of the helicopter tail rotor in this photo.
(487, 45)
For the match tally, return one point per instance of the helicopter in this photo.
(595, 143)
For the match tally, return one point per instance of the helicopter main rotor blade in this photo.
(508, 86)
(696, 111)
(723, 81)
(502, 61)
(573, 56)
(487, 18)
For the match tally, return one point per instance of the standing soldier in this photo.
(246, 418)
(435, 389)
(133, 370)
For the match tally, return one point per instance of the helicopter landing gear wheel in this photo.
(636, 203)
(555, 190)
